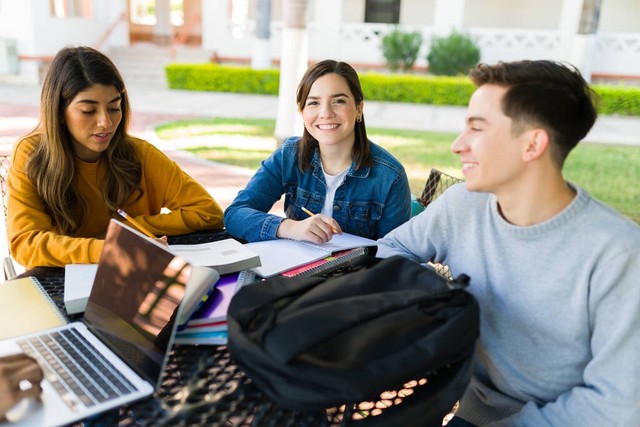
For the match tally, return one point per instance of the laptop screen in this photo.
(135, 298)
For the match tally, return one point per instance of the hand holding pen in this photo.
(317, 228)
(140, 227)
(333, 228)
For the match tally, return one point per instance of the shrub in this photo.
(222, 78)
(400, 49)
(415, 88)
(452, 55)
(618, 100)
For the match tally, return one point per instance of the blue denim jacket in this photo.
(370, 202)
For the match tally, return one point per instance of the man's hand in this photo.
(20, 378)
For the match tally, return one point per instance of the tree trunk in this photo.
(261, 57)
(585, 38)
(293, 63)
(590, 17)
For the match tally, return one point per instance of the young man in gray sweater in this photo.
(556, 272)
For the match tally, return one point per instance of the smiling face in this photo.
(330, 111)
(490, 153)
(92, 118)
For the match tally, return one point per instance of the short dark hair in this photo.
(361, 148)
(544, 93)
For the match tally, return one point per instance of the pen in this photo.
(139, 226)
(308, 212)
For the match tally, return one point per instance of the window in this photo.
(71, 8)
(382, 11)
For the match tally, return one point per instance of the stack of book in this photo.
(208, 324)
(225, 256)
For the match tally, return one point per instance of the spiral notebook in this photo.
(328, 264)
(27, 308)
(280, 255)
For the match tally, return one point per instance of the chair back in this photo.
(436, 184)
(7, 263)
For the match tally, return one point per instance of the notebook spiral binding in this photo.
(339, 260)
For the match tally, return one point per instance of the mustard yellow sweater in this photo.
(35, 241)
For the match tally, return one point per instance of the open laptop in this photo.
(127, 329)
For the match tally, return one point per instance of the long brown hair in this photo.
(361, 148)
(51, 168)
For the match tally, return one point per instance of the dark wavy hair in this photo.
(544, 93)
(51, 168)
(361, 148)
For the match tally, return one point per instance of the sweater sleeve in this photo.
(173, 202)
(33, 239)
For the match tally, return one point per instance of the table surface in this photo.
(201, 384)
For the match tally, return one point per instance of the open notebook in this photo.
(118, 352)
(280, 255)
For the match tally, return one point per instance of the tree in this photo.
(400, 49)
(293, 63)
(261, 56)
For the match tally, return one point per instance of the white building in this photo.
(31, 31)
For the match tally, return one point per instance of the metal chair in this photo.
(7, 263)
(436, 184)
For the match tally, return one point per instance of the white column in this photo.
(162, 31)
(215, 24)
(324, 34)
(293, 63)
(569, 20)
(448, 16)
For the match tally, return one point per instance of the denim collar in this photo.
(363, 172)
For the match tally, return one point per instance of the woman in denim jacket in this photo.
(333, 170)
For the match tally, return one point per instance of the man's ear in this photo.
(537, 144)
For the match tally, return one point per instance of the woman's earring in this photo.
(359, 119)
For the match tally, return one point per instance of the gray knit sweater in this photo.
(560, 308)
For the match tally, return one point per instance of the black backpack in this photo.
(314, 343)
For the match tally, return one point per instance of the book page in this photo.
(226, 256)
(283, 254)
(341, 242)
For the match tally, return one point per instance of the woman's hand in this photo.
(317, 229)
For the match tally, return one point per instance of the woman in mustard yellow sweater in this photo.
(70, 175)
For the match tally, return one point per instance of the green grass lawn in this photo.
(611, 173)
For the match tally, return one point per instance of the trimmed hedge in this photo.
(222, 78)
(421, 89)
(622, 100)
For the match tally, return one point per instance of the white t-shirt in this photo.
(333, 182)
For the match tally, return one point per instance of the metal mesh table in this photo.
(201, 384)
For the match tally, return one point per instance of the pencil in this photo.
(139, 226)
(308, 212)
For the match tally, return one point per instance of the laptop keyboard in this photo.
(79, 374)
